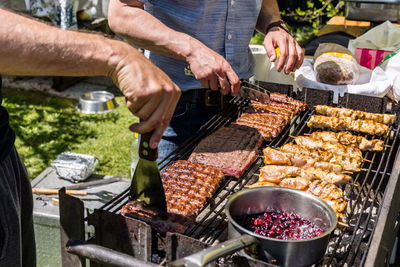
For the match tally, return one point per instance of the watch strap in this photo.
(279, 24)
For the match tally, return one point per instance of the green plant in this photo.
(306, 18)
(46, 125)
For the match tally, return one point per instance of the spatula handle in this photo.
(145, 152)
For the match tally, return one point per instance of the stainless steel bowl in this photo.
(304, 252)
(97, 102)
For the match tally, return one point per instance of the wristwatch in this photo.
(279, 24)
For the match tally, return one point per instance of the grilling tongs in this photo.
(146, 185)
(259, 94)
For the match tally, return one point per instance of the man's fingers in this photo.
(145, 112)
(234, 81)
(159, 131)
(283, 53)
(292, 58)
(160, 118)
(224, 83)
(270, 49)
(213, 80)
(300, 56)
(204, 83)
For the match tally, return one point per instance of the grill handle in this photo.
(104, 255)
(211, 254)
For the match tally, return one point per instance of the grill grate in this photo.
(348, 246)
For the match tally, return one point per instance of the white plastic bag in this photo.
(385, 36)
(391, 67)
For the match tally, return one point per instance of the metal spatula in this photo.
(146, 183)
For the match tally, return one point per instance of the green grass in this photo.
(46, 126)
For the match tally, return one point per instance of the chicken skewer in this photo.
(348, 163)
(332, 147)
(348, 139)
(346, 123)
(275, 174)
(277, 157)
(330, 193)
(355, 114)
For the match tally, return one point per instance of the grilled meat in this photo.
(276, 108)
(187, 188)
(348, 163)
(348, 139)
(355, 114)
(282, 98)
(160, 221)
(277, 157)
(268, 125)
(275, 174)
(330, 193)
(346, 123)
(332, 147)
(299, 183)
(325, 190)
(230, 149)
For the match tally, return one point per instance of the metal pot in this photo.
(286, 252)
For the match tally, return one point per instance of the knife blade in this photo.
(254, 94)
(146, 184)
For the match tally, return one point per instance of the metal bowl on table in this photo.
(97, 102)
(303, 252)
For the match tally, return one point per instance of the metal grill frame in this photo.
(384, 205)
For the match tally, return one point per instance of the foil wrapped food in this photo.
(74, 166)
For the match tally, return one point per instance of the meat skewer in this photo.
(332, 147)
(330, 193)
(346, 123)
(275, 174)
(348, 139)
(355, 114)
(277, 157)
(348, 163)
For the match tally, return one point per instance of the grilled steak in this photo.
(158, 220)
(187, 187)
(230, 149)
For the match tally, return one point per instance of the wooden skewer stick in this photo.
(292, 136)
(346, 198)
(353, 184)
(364, 170)
(348, 172)
(387, 146)
(47, 191)
(307, 134)
(343, 224)
(367, 160)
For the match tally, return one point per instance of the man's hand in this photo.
(150, 94)
(289, 49)
(211, 69)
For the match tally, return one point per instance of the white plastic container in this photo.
(262, 63)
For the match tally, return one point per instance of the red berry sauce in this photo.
(282, 225)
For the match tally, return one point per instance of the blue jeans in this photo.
(186, 121)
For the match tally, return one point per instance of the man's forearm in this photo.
(29, 47)
(269, 13)
(142, 29)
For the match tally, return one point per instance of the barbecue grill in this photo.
(372, 211)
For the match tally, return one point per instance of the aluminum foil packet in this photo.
(74, 166)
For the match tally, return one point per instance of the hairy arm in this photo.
(29, 47)
(128, 19)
